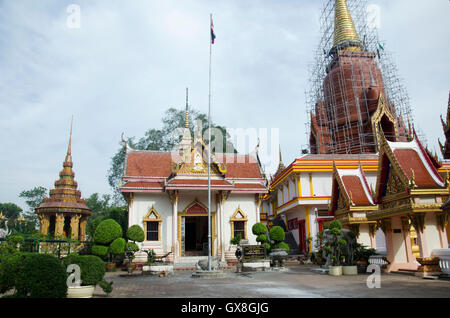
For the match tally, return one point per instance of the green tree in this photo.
(33, 198)
(104, 208)
(11, 212)
(163, 139)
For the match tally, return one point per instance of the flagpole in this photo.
(209, 153)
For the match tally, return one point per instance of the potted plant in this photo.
(230, 256)
(362, 255)
(278, 249)
(134, 234)
(92, 272)
(350, 263)
(107, 232)
(334, 248)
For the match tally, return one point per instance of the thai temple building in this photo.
(167, 195)
(64, 213)
(353, 105)
(366, 166)
(445, 149)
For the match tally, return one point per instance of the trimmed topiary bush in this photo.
(282, 245)
(92, 268)
(100, 250)
(41, 276)
(117, 247)
(136, 234)
(10, 266)
(133, 246)
(277, 234)
(259, 228)
(261, 238)
(107, 231)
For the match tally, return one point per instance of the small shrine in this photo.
(351, 200)
(64, 213)
(410, 193)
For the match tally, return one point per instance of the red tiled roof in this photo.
(148, 164)
(249, 186)
(354, 187)
(144, 185)
(157, 164)
(409, 159)
(201, 182)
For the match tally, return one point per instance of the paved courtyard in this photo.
(298, 282)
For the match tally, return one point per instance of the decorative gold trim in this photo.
(381, 111)
(148, 219)
(213, 228)
(235, 219)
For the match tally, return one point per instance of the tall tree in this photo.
(103, 208)
(162, 139)
(33, 198)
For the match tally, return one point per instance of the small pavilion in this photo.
(64, 213)
(351, 200)
(409, 192)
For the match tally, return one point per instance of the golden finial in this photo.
(186, 121)
(69, 150)
(345, 35)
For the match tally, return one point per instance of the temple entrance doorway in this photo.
(196, 236)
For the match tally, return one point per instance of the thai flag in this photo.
(213, 35)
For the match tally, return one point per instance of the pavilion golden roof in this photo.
(65, 197)
(344, 28)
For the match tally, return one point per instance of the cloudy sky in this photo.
(131, 60)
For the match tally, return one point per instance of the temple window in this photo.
(152, 226)
(239, 224)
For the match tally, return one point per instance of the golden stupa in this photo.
(64, 213)
(345, 35)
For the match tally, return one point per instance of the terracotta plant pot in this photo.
(81, 292)
(335, 270)
(110, 267)
(350, 270)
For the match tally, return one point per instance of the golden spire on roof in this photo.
(69, 148)
(345, 35)
(186, 124)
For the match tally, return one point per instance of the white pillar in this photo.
(175, 226)
(222, 227)
(258, 208)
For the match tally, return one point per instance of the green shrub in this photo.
(136, 233)
(9, 269)
(106, 286)
(117, 247)
(259, 228)
(133, 246)
(335, 224)
(92, 268)
(277, 234)
(107, 231)
(100, 250)
(6, 250)
(68, 259)
(268, 247)
(15, 239)
(41, 276)
(282, 245)
(236, 240)
(261, 238)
